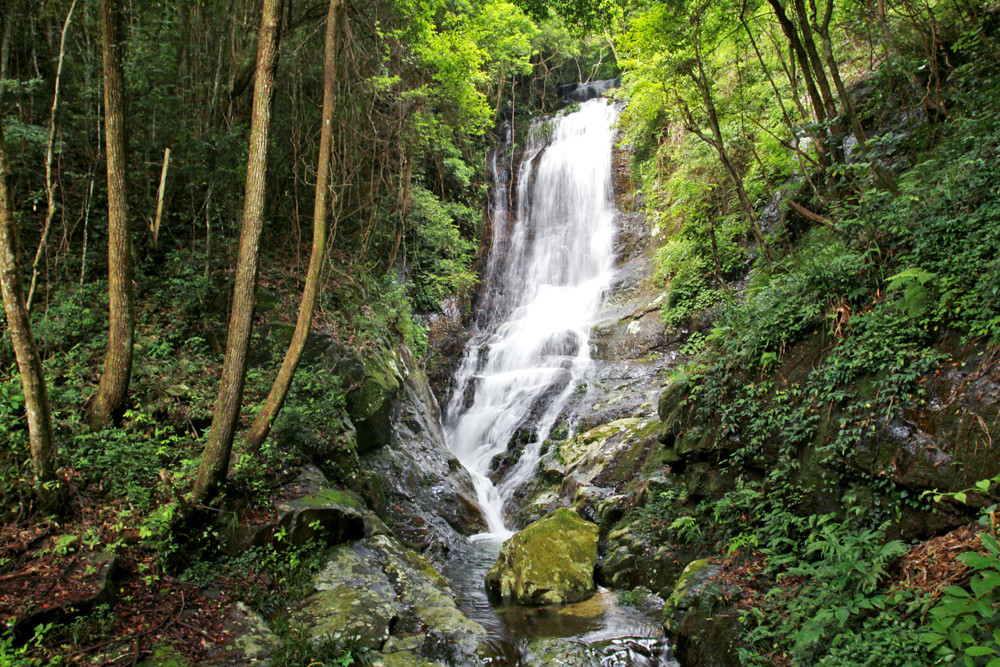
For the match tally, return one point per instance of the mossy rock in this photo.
(686, 591)
(376, 383)
(669, 406)
(354, 600)
(335, 516)
(549, 562)
(563, 652)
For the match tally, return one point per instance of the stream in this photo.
(551, 264)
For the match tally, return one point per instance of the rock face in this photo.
(549, 562)
(429, 496)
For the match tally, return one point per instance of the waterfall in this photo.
(551, 261)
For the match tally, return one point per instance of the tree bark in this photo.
(8, 29)
(109, 402)
(29, 363)
(215, 459)
(313, 284)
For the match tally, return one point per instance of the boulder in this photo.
(336, 516)
(392, 600)
(354, 601)
(565, 652)
(375, 386)
(549, 562)
(702, 634)
(686, 591)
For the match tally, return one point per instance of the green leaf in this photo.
(956, 592)
(978, 561)
(977, 651)
(985, 585)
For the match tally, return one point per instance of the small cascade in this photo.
(551, 263)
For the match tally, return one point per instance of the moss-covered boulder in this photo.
(376, 382)
(354, 600)
(686, 591)
(702, 634)
(331, 515)
(549, 562)
(390, 599)
(564, 652)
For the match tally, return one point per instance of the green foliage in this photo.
(122, 462)
(826, 609)
(299, 648)
(30, 654)
(965, 625)
(441, 258)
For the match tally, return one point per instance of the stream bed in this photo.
(596, 632)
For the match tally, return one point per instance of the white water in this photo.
(550, 265)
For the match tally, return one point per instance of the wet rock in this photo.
(375, 385)
(708, 639)
(581, 92)
(566, 652)
(354, 600)
(703, 635)
(633, 559)
(394, 601)
(686, 591)
(607, 459)
(429, 496)
(549, 562)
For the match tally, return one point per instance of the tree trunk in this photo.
(809, 43)
(799, 52)
(8, 29)
(313, 285)
(704, 85)
(109, 402)
(215, 458)
(50, 185)
(29, 363)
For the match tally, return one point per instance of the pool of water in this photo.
(619, 634)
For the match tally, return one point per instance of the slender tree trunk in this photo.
(704, 85)
(215, 458)
(822, 28)
(160, 192)
(29, 363)
(313, 285)
(822, 82)
(109, 402)
(791, 33)
(8, 28)
(50, 185)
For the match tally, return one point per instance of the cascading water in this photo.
(550, 266)
(551, 262)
